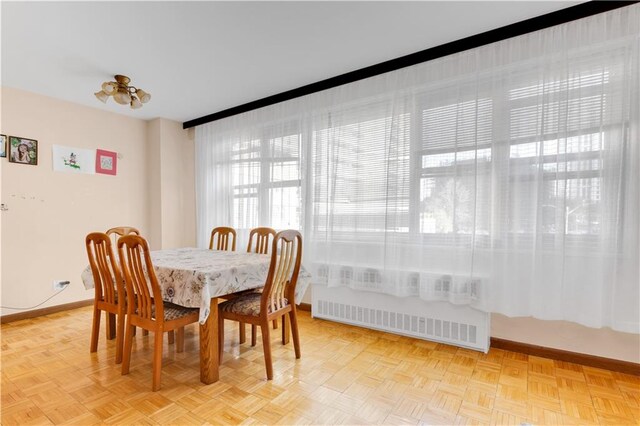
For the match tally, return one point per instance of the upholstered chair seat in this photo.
(173, 312)
(245, 304)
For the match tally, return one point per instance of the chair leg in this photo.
(95, 330)
(243, 332)
(275, 324)
(135, 328)
(111, 325)
(220, 338)
(254, 334)
(128, 340)
(294, 330)
(157, 360)
(119, 337)
(180, 340)
(171, 338)
(266, 347)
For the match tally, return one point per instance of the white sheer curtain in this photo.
(504, 177)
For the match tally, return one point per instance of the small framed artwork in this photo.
(3, 146)
(73, 160)
(23, 150)
(106, 162)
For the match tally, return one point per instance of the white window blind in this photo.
(361, 177)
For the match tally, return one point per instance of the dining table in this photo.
(196, 278)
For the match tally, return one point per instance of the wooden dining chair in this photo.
(263, 239)
(277, 299)
(120, 231)
(123, 230)
(145, 308)
(109, 291)
(224, 233)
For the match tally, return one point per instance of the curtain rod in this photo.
(558, 17)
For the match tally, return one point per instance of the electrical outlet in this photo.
(60, 284)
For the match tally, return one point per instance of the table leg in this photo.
(209, 346)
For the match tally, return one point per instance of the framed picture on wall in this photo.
(3, 145)
(106, 162)
(23, 150)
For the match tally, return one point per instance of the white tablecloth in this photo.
(190, 277)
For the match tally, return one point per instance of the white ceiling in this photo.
(196, 58)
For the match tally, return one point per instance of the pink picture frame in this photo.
(106, 162)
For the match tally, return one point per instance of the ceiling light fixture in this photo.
(123, 93)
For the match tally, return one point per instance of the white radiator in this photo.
(437, 321)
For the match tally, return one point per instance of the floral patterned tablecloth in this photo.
(190, 277)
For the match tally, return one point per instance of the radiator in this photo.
(440, 322)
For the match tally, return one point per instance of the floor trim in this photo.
(44, 311)
(305, 307)
(573, 357)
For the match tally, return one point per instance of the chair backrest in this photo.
(120, 231)
(286, 255)
(123, 230)
(224, 233)
(139, 277)
(107, 278)
(262, 244)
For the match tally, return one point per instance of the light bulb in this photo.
(122, 97)
(102, 96)
(144, 96)
(109, 87)
(135, 103)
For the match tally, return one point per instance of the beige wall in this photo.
(2, 163)
(51, 212)
(172, 189)
(568, 336)
(153, 191)
(178, 191)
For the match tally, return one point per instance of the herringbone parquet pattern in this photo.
(347, 375)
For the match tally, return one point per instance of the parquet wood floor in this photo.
(347, 375)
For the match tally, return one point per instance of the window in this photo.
(266, 182)
(246, 177)
(560, 143)
(455, 175)
(283, 184)
(570, 170)
(469, 171)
